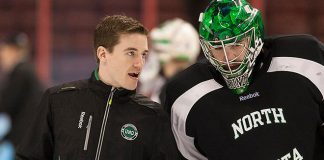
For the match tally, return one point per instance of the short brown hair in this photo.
(110, 28)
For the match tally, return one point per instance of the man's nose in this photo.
(139, 62)
(230, 54)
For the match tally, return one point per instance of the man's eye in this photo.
(218, 49)
(239, 45)
(144, 55)
(131, 53)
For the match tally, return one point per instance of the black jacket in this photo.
(90, 120)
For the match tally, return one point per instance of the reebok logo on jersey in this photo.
(81, 119)
(256, 119)
(249, 96)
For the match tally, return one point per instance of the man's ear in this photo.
(101, 53)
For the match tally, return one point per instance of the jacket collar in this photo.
(104, 89)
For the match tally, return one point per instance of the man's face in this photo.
(230, 56)
(173, 67)
(9, 55)
(121, 68)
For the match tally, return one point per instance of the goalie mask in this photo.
(231, 33)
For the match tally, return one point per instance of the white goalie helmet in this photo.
(175, 39)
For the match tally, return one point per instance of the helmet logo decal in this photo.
(129, 132)
(238, 82)
(201, 15)
(247, 9)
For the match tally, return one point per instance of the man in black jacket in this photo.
(102, 117)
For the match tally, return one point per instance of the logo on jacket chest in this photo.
(256, 119)
(129, 132)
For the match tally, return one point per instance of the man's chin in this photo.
(233, 67)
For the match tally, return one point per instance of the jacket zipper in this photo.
(87, 134)
(104, 122)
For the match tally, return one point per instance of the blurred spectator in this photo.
(20, 90)
(174, 47)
